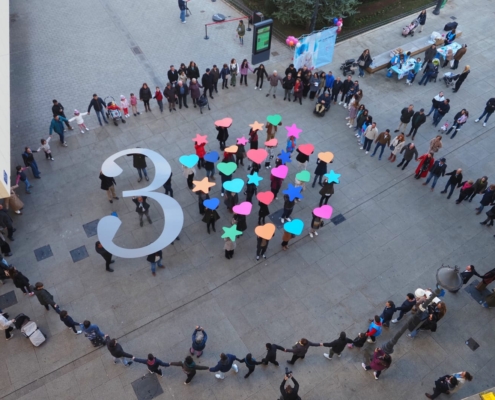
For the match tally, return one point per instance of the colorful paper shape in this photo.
(303, 176)
(242, 140)
(224, 123)
(333, 177)
(307, 149)
(227, 168)
(265, 197)
(295, 226)
(293, 130)
(271, 143)
(256, 126)
(255, 178)
(265, 231)
(231, 232)
(231, 149)
(293, 192)
(274, 119)
(243, 209)
(204, 185)
(257, 156)
(200, 139)
(212, 156)
(324, 211)
(212, 204)
(280, 172)
(235, 185)
(189, 161)
(284, 157)
(326, 156)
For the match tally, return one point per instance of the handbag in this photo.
(392, 147)
(361, 63)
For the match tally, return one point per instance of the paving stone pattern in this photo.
(395, 235)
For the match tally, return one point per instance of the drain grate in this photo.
(137, 50)
(338, 219)
(147, 387)
(79, 254)
(472, 344)
(454, 18)
(8, 299)
(91, 228)
(43, 252)
(274, 53)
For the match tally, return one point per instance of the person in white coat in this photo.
(7, 326)
(78, 117)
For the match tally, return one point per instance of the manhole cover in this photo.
(43, 252)
(147, 387)
(338, 219)
(90, 228)
(8, 299)
(137, 50)
(274, 53)
(79, 254)
(472, 344)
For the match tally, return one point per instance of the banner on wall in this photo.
(316, 49)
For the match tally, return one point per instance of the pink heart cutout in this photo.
(265, 197)
(224, 123)
(243, 209)
(257, 156)
(271, 143)
(280, 172)
(307, 149)
(324, 212)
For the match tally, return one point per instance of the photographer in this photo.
(289, 392)
(183, 8)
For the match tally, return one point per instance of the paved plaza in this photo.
(396, 232)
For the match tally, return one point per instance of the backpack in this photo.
(450, 26)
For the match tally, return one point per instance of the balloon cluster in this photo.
(339, 23)
(291, 41)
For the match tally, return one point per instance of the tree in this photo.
(300, 12)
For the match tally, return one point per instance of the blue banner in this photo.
(316, 49)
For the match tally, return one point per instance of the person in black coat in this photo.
(118, 352)
(436, 172)
(261, 247)
(201, 198)
(337, 346)
(418, 119)
(105, 254)
(58, 109)
(468, 273)
(260, 74)
(487, 199)
(321, 169)
(346, 86)
(444, 384)
(145, 96)
(207, 82)
(155, 260)
(336, 89)
(173, 75)
(421, 20)
(251, 191)
(326, 191)
(489, 110)
(406, 306)
(289, 392)
(142, 208)
(250, 362)
(210, 217)
(271, 354)
(300, 349)
(108, 184)
(181, 91)
(288, 84)
(461, 79)
(231, 200)
(240, 221)
(192, 71)
(454, 181)
(302, 159)
(20, 281)
(387, 313)
(263, 212)
(99, 105)
(490, 216)
(139, 162)
(222, 136)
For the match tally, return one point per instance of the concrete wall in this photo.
(4, 100)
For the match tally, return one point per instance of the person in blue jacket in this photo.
(329, 80)
(225, 364)
(153, 364)
(387, 313)
(58, 126)
(374, 330)
(199, 338)
(406, 306)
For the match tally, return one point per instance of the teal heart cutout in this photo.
(189, 161)
(235, 185)
(295, 226)
(227, 168)
(274, 119)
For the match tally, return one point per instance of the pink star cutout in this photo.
(293, 130)
(242, 140)
(199, 139)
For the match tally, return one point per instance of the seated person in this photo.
(324, 100)
(113, 106)
(449, 38)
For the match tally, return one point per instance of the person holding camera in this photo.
(289, 392)
(183, 8)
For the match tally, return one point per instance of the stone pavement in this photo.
(396, 233)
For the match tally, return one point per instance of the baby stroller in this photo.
(409, 29)
(203, 102)
(113, 111)
(348, 67)
(29, 329)
(450, 78)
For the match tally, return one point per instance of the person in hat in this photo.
(78, 117)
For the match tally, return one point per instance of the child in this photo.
(21, 176)
(79, 120)
(159, 98)
(270, 150)
(69, 322)
(229, 248)
(413, 72)
(168, 186)
(124, 104)
(134, 102)
(444, 127)
(224, 73)
(316, 222)
(46, 148)
(388, 313)
(359, 341)
(301, 184)
(291, 144)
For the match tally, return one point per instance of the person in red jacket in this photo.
(159, 98)
(200, 152)
(426, 162)
(379, 362)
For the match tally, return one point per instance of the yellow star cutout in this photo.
(203, 186)
(257, 126)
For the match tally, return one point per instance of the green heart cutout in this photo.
(227, 168)
(274, 119)
(303, 176)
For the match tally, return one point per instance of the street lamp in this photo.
(436, 11)
(447, 278)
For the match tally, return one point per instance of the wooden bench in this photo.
(417, 46)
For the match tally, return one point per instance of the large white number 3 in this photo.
(174, 217)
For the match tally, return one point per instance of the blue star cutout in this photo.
(284, 157)
(293, 192)
(255, 178)
(231, 232)
(333, 177)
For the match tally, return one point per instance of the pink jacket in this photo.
(133, 100)
(244, 71)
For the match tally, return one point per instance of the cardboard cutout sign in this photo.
(243, 209)
(265, 231)
(295, 226)
(203, 186)
(265, 197)
(257, 156)
(189, 161)
(293, 130)
(235, 185)
(326, 156)
(224, 123)
(212, 204)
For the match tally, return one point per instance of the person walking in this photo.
(58, 109)
(453, 182)
(479, 187)
(467, 189)
(260, 74)
(171, 96)
(142, 208)
(181, 91)
(288, 208)
(381, 141)
(209, 218)
(421, 20)
(194, 87)
(45, 297)
(99, 105)
(337, 346)
(29, 161)
(7, 222)
(70, 323)
(288, 84)
(489, 109)
(152, 362)
(155, 260)
(370, 134)
(108, 184)
(199, 338)
(406, 306)
(468, 273)
(418, 119)
(436, 172)
(442, 109)
(225, 364)
(387, 313)
(374, 330)
(250, 362)
(405, 117)
(105, 254)
(379, 362)
(261, 247)
(271, 354)
(444, 384)
(118, 352)
(207, 82)
(189, 367)
(21, 177)
(462, 78)
(183, 8)
(134, 104)
(364, 61)
(326, 191)
(20, 281)
(273, 80)
(300, 349)
(487, 199)
(139, 162)
(426, 162)
(396, 146)
(7, 326)
(58, 126)
(460, 119)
